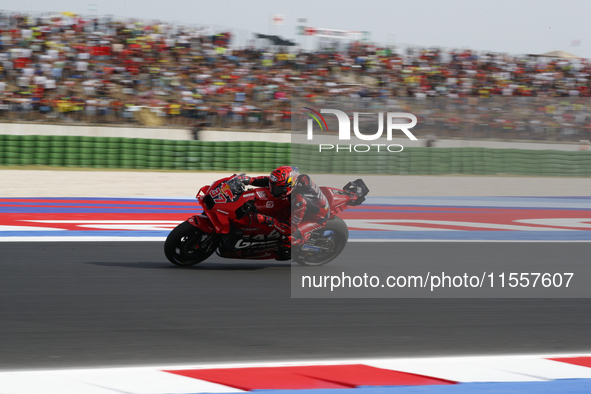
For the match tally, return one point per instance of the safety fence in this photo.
(140, 153)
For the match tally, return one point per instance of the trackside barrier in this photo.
(140, 153)
(441, 161)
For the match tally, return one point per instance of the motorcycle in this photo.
(220, 228)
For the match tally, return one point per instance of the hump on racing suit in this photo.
(310, 209)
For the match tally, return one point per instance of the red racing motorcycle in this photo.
(219, 227)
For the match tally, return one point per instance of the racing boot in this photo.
(299, 238)
(284, 251)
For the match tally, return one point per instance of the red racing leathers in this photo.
(309, 210)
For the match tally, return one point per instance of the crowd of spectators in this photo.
(523, 118)
(71, 69)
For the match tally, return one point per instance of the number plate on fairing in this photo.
(223, 193)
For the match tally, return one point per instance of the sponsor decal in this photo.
(222, 194)
(242, 244)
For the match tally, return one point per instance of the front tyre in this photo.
(188, 245)
(325, 245)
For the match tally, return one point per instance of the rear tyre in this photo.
(188, 245)
(332, 239)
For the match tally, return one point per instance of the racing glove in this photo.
(261, 219)
(282, 228)
(245, 179)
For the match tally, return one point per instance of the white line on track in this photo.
(154, 379)
(341, 361)
(162, 239)
(82, 239)
(466, 240)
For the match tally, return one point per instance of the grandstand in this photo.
(65, 69)
(68, 69)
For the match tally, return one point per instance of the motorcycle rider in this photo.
(309, 207)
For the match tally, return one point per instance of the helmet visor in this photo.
(278, 191)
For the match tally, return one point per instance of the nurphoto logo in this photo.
(345, 129)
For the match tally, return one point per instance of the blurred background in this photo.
(149, 80)
(83, 64)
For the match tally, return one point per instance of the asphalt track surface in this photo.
(121, 303)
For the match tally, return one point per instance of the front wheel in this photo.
(187, 245)
(325, 244)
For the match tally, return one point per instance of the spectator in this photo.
(98, 71)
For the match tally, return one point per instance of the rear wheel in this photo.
(188, 245)
(325, 245)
